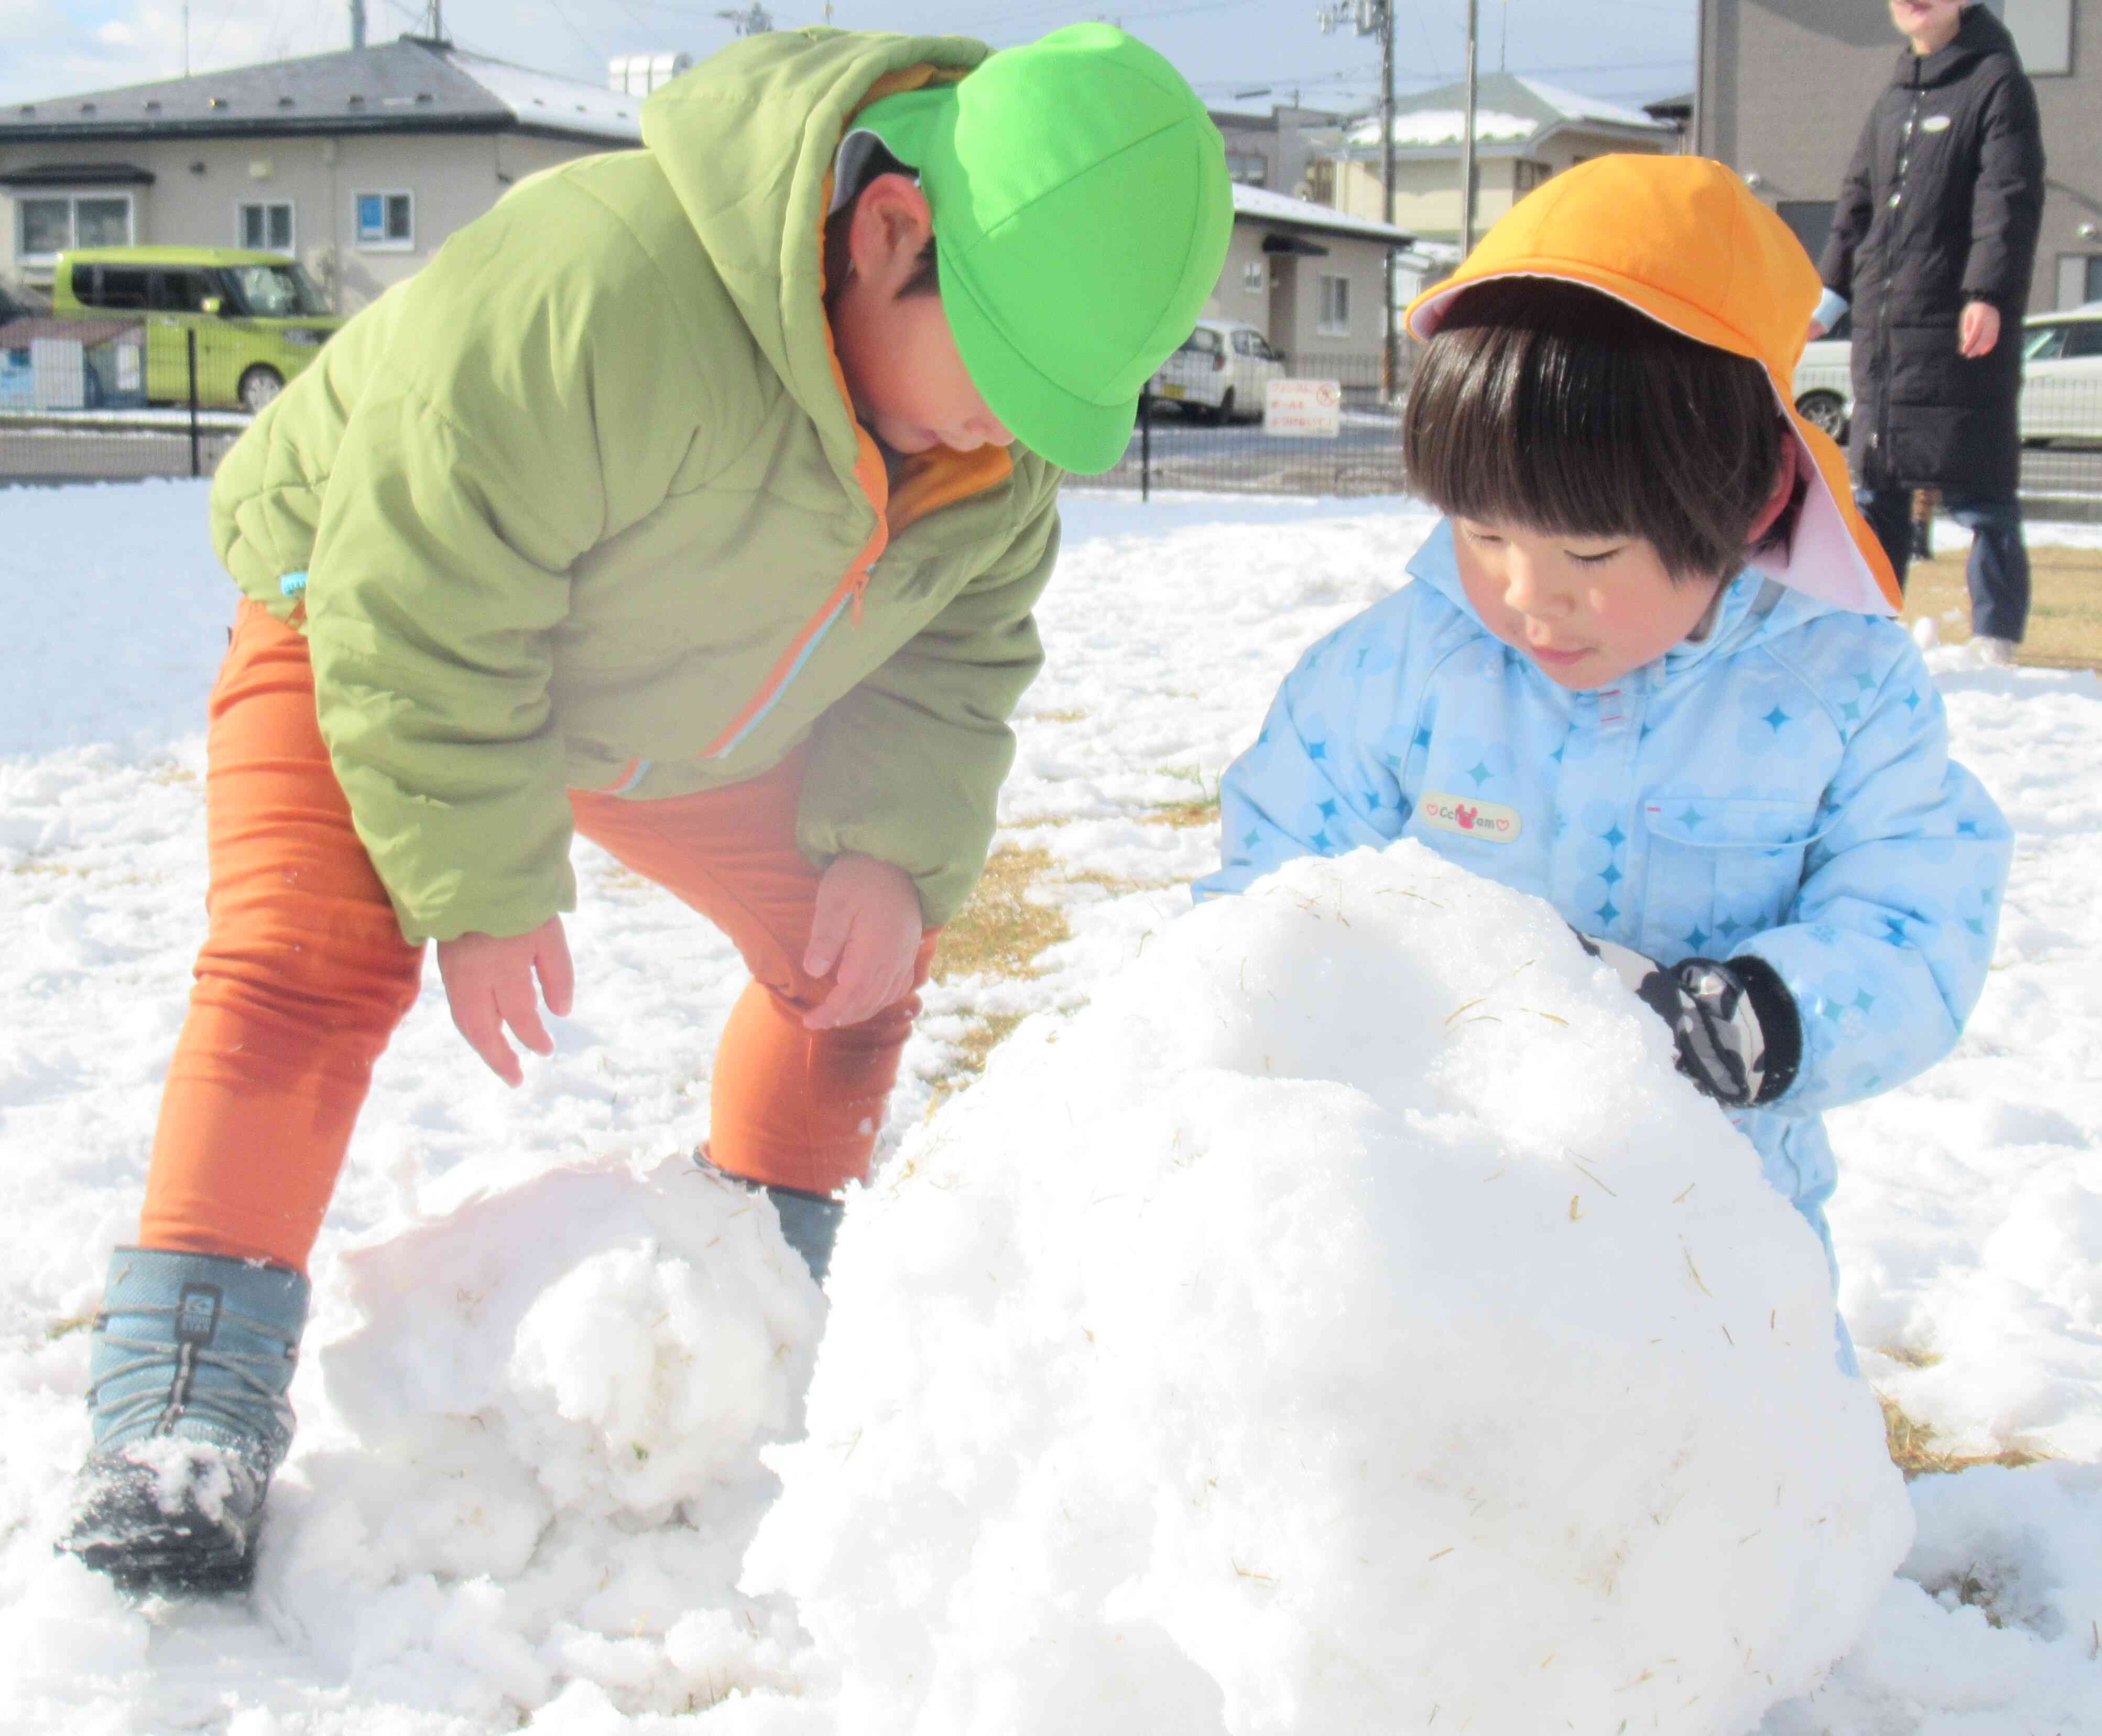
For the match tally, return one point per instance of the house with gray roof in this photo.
(358, 163)
(1525, 132)
(1309, 276)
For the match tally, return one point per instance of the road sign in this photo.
(1304, 409)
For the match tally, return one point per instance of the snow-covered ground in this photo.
(547, 1358)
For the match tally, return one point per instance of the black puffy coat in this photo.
(1941, 207)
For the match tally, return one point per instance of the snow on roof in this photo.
(1577, 107)
(409, 85)
(1509, 108)
(1447, 125)
(546, 99)
(1280, 207)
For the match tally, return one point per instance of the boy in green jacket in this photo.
(695, 498)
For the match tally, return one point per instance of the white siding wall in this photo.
(200, 186)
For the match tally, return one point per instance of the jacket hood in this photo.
(747, 140)
(1756, 607)
(1978, 36)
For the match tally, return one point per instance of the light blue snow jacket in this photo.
(1782, 787)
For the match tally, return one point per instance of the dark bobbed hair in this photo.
(1542, 403)
(926, 277)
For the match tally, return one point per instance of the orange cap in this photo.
(1682, 240)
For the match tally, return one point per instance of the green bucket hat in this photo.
(1082, 211)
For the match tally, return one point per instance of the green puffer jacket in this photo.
(582, 505)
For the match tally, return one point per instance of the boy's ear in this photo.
(892, 222)
(1783, 491)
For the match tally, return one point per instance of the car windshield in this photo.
(271, 291)
(2044, 343)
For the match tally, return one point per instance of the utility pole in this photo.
(358, 24)
(186, 38)
(1467, 137)
(1375, 17)
(756, 22)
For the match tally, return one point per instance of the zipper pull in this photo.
(861, 589)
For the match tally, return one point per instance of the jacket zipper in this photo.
(848, 595)
(1880, 438)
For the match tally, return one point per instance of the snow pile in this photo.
(1422, 127)
(1347, 1321)
(1998, 1614)
(554, 1404)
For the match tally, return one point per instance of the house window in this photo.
(52, 222)
(1527, 175)
(1247, 168)
(387, 220)
(265, 227)
(2079, 278)
(1334, 320)
(1255, 276)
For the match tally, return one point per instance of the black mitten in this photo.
(1739, 1038)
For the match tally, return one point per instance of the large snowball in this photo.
(1348, 1322)
(538, 1469)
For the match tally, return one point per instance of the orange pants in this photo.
(305, 975)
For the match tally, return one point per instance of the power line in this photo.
(555, 8)
(1426, 81)
(1125, 15)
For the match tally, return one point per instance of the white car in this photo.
(1825, 386)
(1222, 372)
(2062, 374)
(2061, 378)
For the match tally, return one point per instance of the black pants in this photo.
(1998, 570)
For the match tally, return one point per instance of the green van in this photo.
(258, 317)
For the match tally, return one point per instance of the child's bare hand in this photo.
(866, 924)
(489, 982)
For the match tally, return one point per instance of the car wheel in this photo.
(1825, 411)
(259, 385)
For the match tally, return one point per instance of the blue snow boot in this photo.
(192, 1354)
(810, 1222)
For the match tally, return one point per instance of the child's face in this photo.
(1587, 610)
(908, 385)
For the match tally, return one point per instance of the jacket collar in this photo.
(1977, 36)
(1756, 608)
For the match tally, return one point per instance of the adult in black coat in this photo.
(1933, 243)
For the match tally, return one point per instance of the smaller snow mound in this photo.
(556, 1402)
(1349, 1320)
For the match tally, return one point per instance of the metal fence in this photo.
(83, 400)
(92, 400)
(1183, 446)
(1186, 443)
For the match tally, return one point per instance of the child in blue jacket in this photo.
(1646, 670)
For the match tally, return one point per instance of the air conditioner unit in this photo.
(638, 74)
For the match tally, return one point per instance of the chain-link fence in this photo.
(91, 399)
(1184, 442)
(95, 399)
(1214, 428)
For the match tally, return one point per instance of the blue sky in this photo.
(1632, 50)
